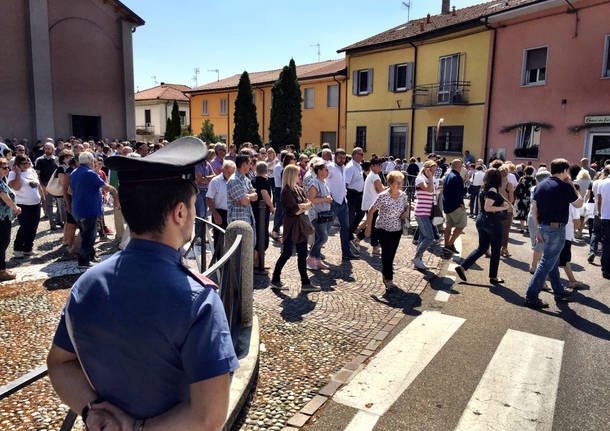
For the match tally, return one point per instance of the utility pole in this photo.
(195, 77)
(318, 45)
(217, 73)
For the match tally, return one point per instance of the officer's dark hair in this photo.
(240, 159)
(559, 165)
(146, 206)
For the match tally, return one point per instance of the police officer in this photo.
(142, 343)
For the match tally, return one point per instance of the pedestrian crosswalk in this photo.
(517, 390)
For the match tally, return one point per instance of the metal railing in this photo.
(145, 130)
(445, 93)
(219, 271)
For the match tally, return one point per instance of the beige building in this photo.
(67, 69)
(154, 107)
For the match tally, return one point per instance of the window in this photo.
(534, 66)
(450, 140)
(223, 106)
(182, 118)
(398, 141)
(606, 63)
(361, 137)
(204, 107)
(223, 138)
(147, 117)
(448, 78)
(400, 77)
(362, 82)
(332, 96)
(308, 98)
(528, 141)
(329, 138)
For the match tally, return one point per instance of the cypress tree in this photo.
(172, 126)
(285, 122)
(246, 124)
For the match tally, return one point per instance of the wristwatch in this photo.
(85, 412)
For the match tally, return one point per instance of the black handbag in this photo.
(325, 216)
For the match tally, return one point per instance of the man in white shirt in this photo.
(277, 191)
(216, 197)
(336, 185)
(603, 208)
(354, 182)
(389, 165)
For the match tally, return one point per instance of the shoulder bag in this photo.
(54, 186)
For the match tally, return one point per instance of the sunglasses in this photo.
(4, 167)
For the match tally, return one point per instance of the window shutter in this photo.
(409, 76)
(391, 80)
(355, 82)
(369, 88)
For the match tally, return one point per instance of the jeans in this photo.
(490, 233)
(287, 247)
(279, 212)
(201, 208)
(48, 208)
(389, 245)
(28, 225)
(605, 234)
(5, 240)
(342, 213)
(596, 234)
(320, 238)
(354, 200)
(553, 240)
(426, 235)
(87, 231)
(474, 199)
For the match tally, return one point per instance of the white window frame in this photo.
(223, 101)
(328, 89)
(360, 72)
(519, 139)
(204, 107)
(606, 58)
(308, 90)
(524, 73)
(182, 118)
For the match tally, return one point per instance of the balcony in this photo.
(446, 93)
(145, 130)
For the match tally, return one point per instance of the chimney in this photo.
(428, 19)
(453, 11)
(445, 7)
(421, 26)
(163, 83)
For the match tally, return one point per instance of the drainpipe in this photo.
(228, 122)
(263, 96)
(339, 114)
(413, 98)
(491, 86)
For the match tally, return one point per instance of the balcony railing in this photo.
(446, 93)
(145, 130)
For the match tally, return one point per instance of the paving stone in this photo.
(314, 405)
(381, 335)
(373, 344)
(367, 352)
(298, 420)
(343, 375)
(290, 429)
(330, 388)
(389, 327)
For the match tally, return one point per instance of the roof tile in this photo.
(164, 92)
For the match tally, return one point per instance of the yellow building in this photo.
(322, 88)
(404, 80)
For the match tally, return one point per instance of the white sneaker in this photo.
(417, 262)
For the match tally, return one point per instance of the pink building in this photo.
(550, 84)
(67, 68)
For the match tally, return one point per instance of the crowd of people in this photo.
(294, 198)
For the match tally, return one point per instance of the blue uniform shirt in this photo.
(145, 329)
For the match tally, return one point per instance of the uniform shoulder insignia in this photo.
(200, 278)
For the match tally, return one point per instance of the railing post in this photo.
(245, 267)
(260, 234)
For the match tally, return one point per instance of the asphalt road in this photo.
(462, 371)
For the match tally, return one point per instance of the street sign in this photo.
(597, 119)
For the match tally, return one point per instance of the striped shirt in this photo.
(425, 199)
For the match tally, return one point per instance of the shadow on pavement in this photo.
(293, 309)
(398, 298)
(579, 322)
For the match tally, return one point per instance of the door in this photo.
(398, 141)
(448, 75)
(87, 126)
(600, 148)
(329, 138)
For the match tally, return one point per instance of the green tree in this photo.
(285, 122)
(246, 124)
(172, 126)
(207, 132)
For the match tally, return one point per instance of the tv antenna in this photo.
(407, 4)
(217, 73)
(195, 77)
(154, 77)
(318, 45)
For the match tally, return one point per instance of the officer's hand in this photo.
(217, 219)
(124, 421)
(103, 421)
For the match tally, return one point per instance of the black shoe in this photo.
(312, 286)
(450, 248)
(460, 272)
(565, 296)
(84, 265)
(278, 285)
(496, 280)
(591, 257)
(536, 303)
(606, 275)
(350, 257)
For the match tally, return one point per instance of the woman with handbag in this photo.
(507, 191)
(297, 228)
(424, 191)
(393, 207)
(320, 215)
(494, 209)
(8, 211)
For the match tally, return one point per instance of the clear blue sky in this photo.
(238, 35)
